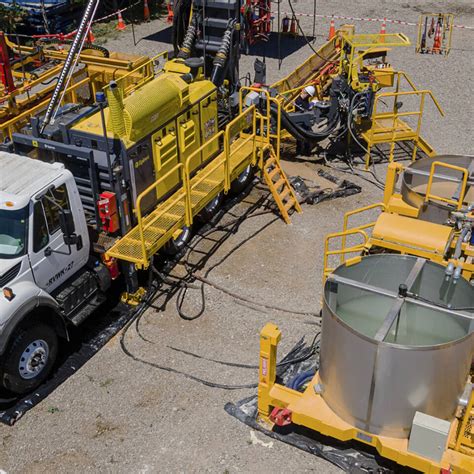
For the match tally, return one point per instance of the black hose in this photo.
(301, 133)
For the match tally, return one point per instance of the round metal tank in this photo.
(386, 355)
(445, 184)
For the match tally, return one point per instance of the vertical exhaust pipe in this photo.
(116, 109)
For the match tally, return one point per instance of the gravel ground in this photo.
(118, 414)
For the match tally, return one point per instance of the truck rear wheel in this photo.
(243, 180)
(29, 358)
(175, 246)
(211, 209)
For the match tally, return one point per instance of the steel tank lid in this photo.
(402, 301)
(446, 180)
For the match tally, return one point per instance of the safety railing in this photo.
(455, 202)
(217, 162)
(265, 119)
(238, 127)
(14, 124)
(139, 76)
(388, 127)
(362, 227)
(143, 227)
(343, 251)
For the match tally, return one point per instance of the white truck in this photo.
(47, 274)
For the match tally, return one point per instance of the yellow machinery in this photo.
(192, 160)
(281, 405)
(431, 217)
(374, 114)
(37, 68)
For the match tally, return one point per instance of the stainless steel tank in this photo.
(390, 346)
(446, 183)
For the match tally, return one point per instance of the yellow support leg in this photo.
(269, 338)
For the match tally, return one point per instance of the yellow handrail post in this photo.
(343, 250)
(465, 174)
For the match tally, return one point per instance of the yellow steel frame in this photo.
(308, 409)
(17, 107)
(448, 23)
(389, 127)
(139, 76)
(394, 204)
(355, 47)
(239, 150)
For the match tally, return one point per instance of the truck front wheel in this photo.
(29, 358)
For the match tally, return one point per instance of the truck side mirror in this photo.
(66, 221)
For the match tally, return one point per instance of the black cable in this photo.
(311, 351)
(326, 60)
(150, 293)
(439, 305)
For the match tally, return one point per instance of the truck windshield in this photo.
(13, 232)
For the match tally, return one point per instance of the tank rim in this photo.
(334, 316)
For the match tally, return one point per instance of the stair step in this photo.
(285, 193)
(88, 309)
(273, 173)
(279, 183)
(270, 162)
(289, 204)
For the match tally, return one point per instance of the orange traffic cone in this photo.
(332, 29)
(146, 11)
(383, 31)
(121, 24)
(90, 36)
(170, 11)
(437, 41)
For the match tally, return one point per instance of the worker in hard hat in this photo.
(303, 101)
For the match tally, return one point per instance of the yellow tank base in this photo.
(133, 299)
(281, 405)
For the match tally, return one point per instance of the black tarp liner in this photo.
(93, 336)
(352, 457)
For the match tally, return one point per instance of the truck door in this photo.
(50, 269)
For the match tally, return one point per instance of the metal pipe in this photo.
(75, 49)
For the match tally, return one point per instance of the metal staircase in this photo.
(280, 187)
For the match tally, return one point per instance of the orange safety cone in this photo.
(146, 11)
(90, 36)
(332, 29)
(170, 12)
(383, 30)
(437, 41)
(121, 24)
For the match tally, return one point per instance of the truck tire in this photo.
(175, 246)
(243, 180)
(211, 209)
(29, 358)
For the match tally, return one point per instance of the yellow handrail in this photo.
(465, 173)
(343, 250)
(362, 227)
(228, 139)
(144, 78)
(141, 227)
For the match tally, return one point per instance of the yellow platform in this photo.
(170, 216)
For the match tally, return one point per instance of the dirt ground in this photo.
(118, 414)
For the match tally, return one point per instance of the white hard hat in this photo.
(310, 90)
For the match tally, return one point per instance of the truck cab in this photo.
(48, 279)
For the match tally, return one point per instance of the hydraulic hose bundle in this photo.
(220, 60)
(303, 134)
(189, 39)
